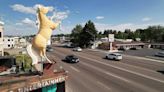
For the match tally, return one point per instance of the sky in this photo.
(19, 16)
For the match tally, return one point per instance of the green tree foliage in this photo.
(83, 36)
(88, 34)
(75, 35)
(100, 35)
(150, 34)
(25, 59)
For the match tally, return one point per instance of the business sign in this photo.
(111, 37)
(47, 83)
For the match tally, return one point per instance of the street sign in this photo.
(111, 37)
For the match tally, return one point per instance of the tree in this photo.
(75, 35)
(106, 32)
(88, 34)
(119, 35)
(152, 34)
(83, 36)
(100, 35)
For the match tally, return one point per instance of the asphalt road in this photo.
(145, 52)
(95, 74)
(142, 52)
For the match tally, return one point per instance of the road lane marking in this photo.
(103, 85)
(106, 72)
(106, 64)
(143, 58)
(121, 78)
(141, 86)
(122, 69)
(75, 69)
(132, 65)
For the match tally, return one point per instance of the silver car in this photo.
(160, 54)
(114, 56)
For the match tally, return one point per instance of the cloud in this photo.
(28, 26)
(28, 10)
(26, 23)
(2, 23)
(58, 16)
(146, 19)
(51, 8)
(23, 9)
(29, 22)
(99, 17)
(77, 12)
(18, 24)
(64, 30)
(19, 30)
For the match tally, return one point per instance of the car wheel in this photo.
(106, 57)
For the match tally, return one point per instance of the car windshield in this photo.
(115, 54)
(118, 55)
(71, 56)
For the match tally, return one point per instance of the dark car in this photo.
(71, 59)
(49, 49)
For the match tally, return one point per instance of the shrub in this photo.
(25, 59)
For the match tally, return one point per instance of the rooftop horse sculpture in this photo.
(37, 50)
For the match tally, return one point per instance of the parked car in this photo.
(49, 49)
(71, 59)
(135, 48)
(114, 56)
(77, 49)
(124, 48)
(160, 54)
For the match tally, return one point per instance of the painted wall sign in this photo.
(41, 84)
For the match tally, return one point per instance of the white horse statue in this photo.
(37, 50)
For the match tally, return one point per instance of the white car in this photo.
(114, 56)
(77, 49)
